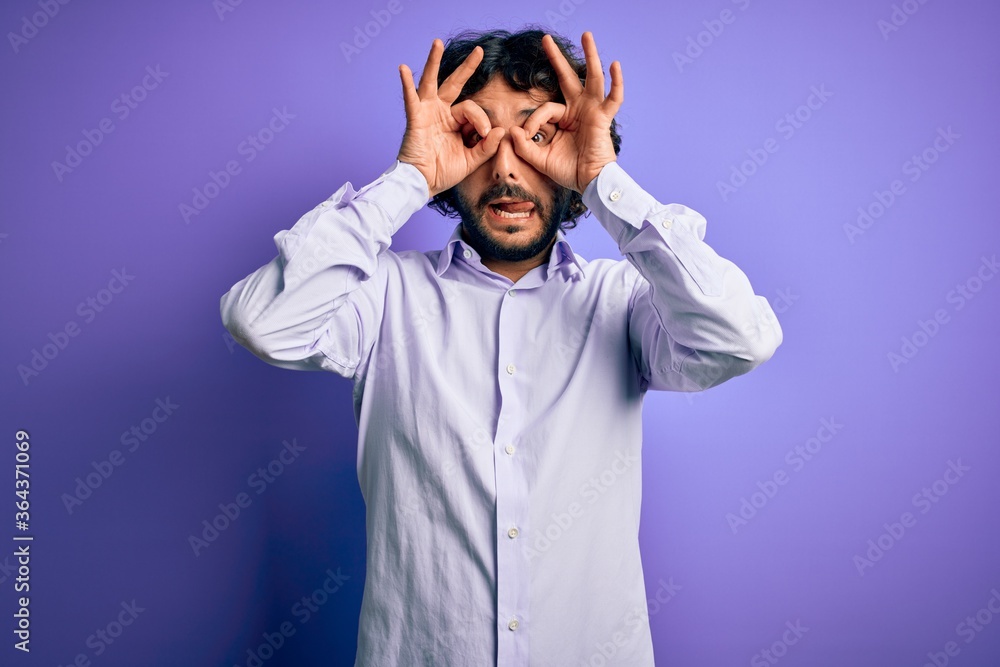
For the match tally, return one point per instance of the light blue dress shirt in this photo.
(500, 424)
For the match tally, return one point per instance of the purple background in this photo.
(845, 302)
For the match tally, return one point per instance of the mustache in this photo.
(507, 190)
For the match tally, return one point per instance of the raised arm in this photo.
(694, 320)
(319, 303)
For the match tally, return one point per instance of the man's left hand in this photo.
(575, 141)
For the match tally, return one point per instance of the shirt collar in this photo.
(562, 255)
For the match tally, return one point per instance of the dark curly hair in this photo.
(522, 62)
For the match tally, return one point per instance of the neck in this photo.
(513, 270)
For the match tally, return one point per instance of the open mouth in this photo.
(512, 210)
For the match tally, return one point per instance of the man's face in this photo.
(505, 181)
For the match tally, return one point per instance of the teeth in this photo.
(508, 214)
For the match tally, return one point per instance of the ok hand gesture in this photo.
(432, 141)
(581, 144)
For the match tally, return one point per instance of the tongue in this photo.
(515, 207)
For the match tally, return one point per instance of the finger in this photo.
(482, 151)
(410, 97)
(469, 112)
(428, 78)
(569, 82)
(528, 150)
(595, 76)
(615, 98)
(550, 112)
(451, 88)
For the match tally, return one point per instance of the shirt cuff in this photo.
(400, 191)
(619, 202)
(627, 211)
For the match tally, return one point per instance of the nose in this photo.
(506, 163)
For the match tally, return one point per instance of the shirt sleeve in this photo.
(694, 320)
(319, 303)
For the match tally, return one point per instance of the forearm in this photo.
(703, 301)
(279, 311)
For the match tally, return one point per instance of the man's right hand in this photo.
(433, 141)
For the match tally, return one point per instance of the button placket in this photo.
(513, 572)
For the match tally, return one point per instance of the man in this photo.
(498, 383)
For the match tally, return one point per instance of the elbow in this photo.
(717, 367)
(760, 344)
(764, 346)
(238, 322)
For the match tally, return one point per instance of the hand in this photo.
(433, 142)
(578, 144)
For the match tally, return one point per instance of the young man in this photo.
(498, 383)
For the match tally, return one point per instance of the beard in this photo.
(482, 237)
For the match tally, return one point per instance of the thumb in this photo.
(485, 149)
(527, 149)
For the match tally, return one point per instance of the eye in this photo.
(545, 133)
(472, 139)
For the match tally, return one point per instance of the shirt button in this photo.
(616, 195)
(666, 223)
(512, 533)
(511, 292)
(510, 369)
(467, 254)
(509, 449)
(513, 623)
